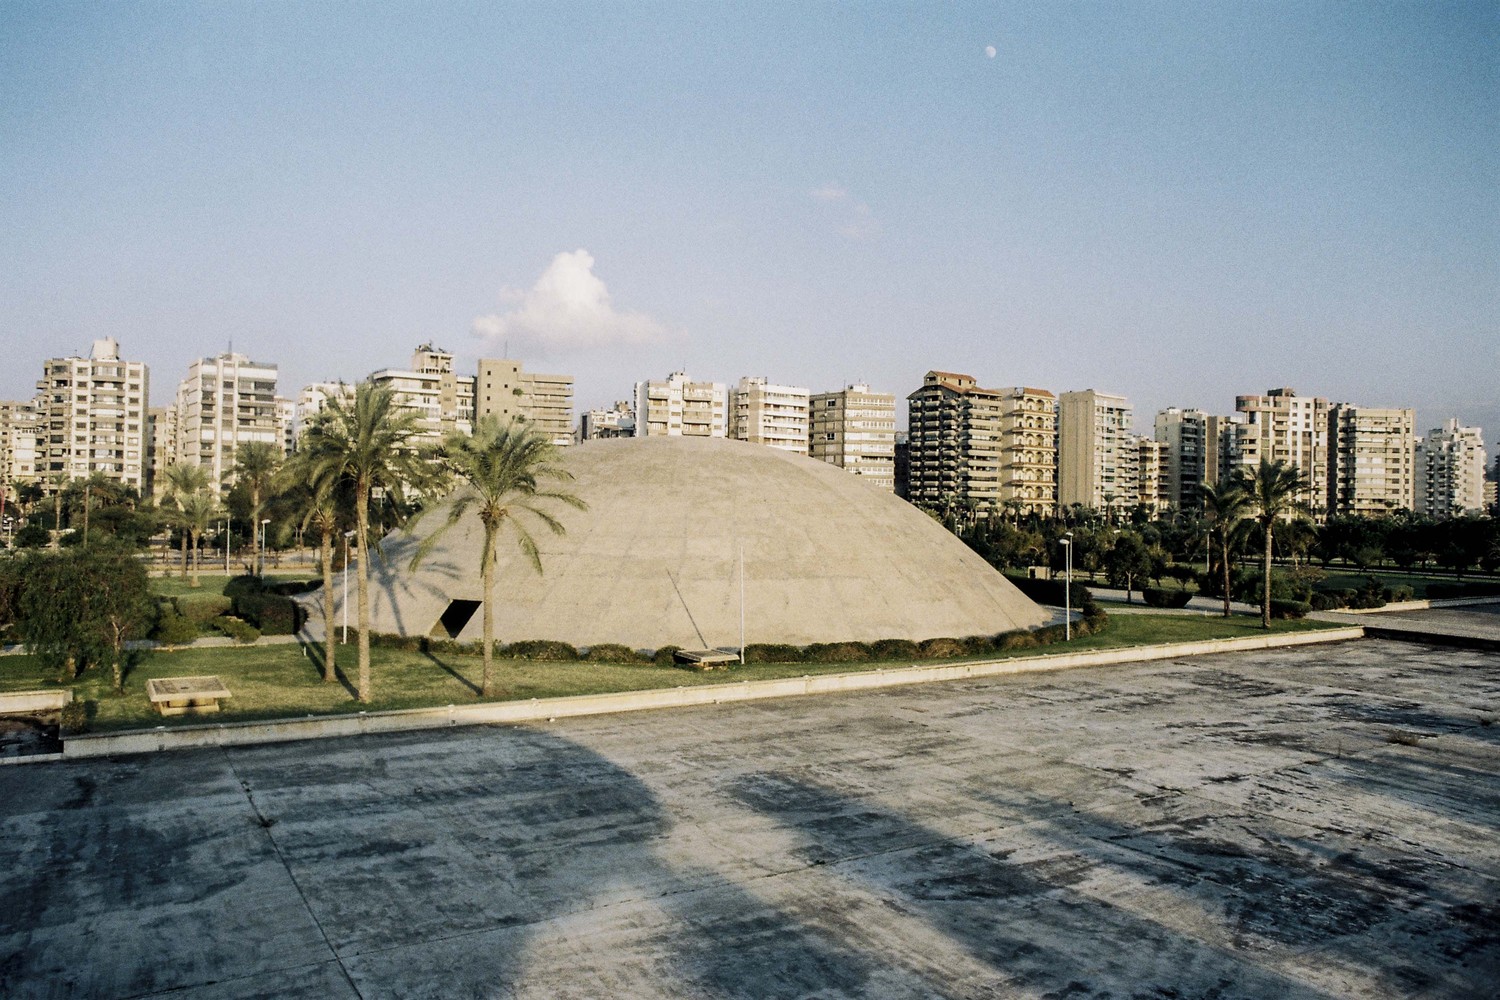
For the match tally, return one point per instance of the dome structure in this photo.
(680, 534)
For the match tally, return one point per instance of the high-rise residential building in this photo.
(855, 429)
(161, 451)
(1450, 471)
(286, 423)
(225, 402)
(1151, 475)
(1098, 462)
(763, 412)
(1028, 450)
(615, 422)
(1192, 453)
(679, 407)
(91, 417)
(1371, 460)
(1281, 426)
(442, 399)
(312, 399)
(18, 445)
(504, 388)
(954, 429)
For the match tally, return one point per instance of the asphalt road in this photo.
(1308, 822)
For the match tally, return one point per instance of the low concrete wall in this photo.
(34, 701)
(1423, 605)
(550, 709)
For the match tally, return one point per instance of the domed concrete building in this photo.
(657, 559)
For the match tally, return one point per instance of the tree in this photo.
(1225, 505)
(320, 497)
(1127, 560)
(255, 465)
(1273, 489)
(501, 468)
(183, 480)
(119, 606)
(195, 513)
(372, 442)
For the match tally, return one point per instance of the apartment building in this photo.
(442, 399)
(1028, 450)
(762, 412)
(18, 442)
(614, 422)
(1098, 462)
(91, 417)
(1192, 453)
(311, 401)
(1371, 460)
(1450, 464)
(954, 442)
(223, 403)
(1281, 426)
(855, 429)
(679, 407)
(161, 451)
(504, 388)
(1151, 475)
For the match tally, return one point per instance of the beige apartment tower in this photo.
(1371, 460)
(18, 443)
(223, 403)
(762, 412)
(855, 429)
(1281, 426)
(1192, 453)
(442, 399)
(679, 407)
(504, 388)
(91, 417)
(1098, 458)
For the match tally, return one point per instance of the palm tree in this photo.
(255, 465)
(501, 467)
(1274, 490)
(318, 497)
(183, 481)
(1225, 505)
(372, 442)
(196, 512)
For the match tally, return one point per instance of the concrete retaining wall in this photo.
(35, 701)
(550, 709)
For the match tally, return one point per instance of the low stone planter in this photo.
(29, 702)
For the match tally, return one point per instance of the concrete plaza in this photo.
(1309, 822)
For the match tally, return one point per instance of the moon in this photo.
(989, 50)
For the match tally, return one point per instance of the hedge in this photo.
(772, 652)
(1289, 609)
(1052, 592)
(541, 650)
(202, 609)
(612, 652)
(1164, 597)
(836, 652)
(271, 613)
(239, 631)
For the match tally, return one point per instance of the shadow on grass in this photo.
(317, 656)
(452, 672)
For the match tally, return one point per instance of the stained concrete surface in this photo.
(1310, 822)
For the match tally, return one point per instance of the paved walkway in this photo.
(1305, 823)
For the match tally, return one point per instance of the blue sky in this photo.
(1178, 202)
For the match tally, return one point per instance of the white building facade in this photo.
(1450, 464)
(91, 417)
(225, 402)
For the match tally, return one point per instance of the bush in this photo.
(1048, 634)
(239, 631)
(941, 649)
(772, 652)
(404, 643)
(1327, 600)
(1394, 594)
(541, 650)
(836, 652)
(666, 656)
(1053, 592)
(978, 645)
(1095, 622)
(271, 613)
(291, 588)
(202, 609)
(240, 586)
(1158, 597)
(1019, 639)
(1289, 609)
(172, 628)
(894, 649)
(73, 719)
(612, 652)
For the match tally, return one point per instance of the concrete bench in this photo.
(27, 702)
(707, 659)
(181, 695)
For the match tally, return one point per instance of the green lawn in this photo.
(285, 681)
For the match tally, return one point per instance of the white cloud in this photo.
(989, 50)
(567, 308)
(858, 222)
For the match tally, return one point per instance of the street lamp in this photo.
(263, 524)
(347, 535)
(1067, 544)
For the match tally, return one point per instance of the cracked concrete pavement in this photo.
(1311, 822)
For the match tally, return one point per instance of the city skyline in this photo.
(1179, 206)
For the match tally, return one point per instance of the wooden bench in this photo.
(181, 695)
(707, 659)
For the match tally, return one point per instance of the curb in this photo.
(577, 706)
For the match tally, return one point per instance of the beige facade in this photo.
(1028, 450)
(1192, 453)
(225, 402)
(91, 417)
(1281, 426)
(1098, 461)
(679, 407)
(312, 399)
(763, 412)
(161, 422)
(504, 388)
(18, 442)
(855, 429)
(615, 422)
(1151, 475)
(1450, 471)
(442, 399)
(1371, 460)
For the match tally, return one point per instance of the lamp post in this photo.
(345, 601)
(1067, 544)
(263, 524)
(1208, 551)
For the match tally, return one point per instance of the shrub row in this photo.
(237, 629)
(1165, 597)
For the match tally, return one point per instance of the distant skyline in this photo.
(1177, 203)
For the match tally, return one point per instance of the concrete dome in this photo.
(655, 560)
